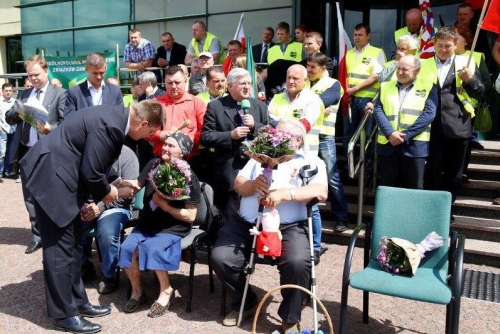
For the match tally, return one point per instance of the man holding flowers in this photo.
(288, 195)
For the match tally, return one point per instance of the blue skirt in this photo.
(161, 251)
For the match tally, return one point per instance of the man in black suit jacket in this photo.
(451, 128)
(52, 99)
(61, 171)
(226, 126)
(95, 90)
(169, 54)
(267, 43)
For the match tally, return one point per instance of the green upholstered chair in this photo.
(409, 214)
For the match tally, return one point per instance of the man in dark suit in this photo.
(451, 128)
(149, 85)
(226, 126)
(61, 171)
(260, 50)
(169, 54)
(95, 90)
(52, 99)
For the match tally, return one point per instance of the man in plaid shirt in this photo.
(139, 53)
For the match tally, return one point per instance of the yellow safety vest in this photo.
(428, 71)
(206, 46)
(328, 125)
(360, 68)
(477, 56)
(205, 96)
(282, 108)
(412, 107)
(293, 52)
(128, 100)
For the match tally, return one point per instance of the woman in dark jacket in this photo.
(155, 243)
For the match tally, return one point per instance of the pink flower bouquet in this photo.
(171, 180)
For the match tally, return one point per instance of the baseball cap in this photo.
(205, 54)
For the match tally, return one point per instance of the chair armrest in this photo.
(350, 253)
(455, 265)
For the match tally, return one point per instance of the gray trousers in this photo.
(231, 253)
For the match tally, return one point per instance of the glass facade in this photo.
(78, 27)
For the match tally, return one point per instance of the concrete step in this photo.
(486, 157)
(478, 228)
(475, 207)
(480, 188)
(484, 172)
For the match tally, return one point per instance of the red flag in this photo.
(427, 30)
(239, 35)
(492, 18)
(344, 46)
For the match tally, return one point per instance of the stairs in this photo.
(475, 216)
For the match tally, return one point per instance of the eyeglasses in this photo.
(405, 70)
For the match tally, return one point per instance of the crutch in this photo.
(306, 173)
(250, 268)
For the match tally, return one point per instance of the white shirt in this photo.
(33, 100)
(4, 107)
(96, 93)
(443, 69)
(285, 176)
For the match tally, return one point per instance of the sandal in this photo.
(133, 304)
(157, 309)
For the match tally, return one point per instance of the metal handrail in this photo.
(359, 168)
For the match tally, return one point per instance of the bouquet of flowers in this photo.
(171, 180)
(401, 256)
(271, 146)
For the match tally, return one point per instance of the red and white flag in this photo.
(344, 46)
(492, 18)
(427, 30)
(239, 35)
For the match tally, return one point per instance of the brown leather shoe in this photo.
(290, 328)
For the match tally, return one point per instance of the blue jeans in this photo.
(109, 225)
(3, 149)
(327, 152)
(316, 227)
(357, 111)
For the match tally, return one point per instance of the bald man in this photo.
(413, 27)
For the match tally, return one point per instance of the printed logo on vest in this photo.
(366, 60)
(421, 92)
(293, 54)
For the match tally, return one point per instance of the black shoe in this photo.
(316, 257)
(33, 247)
(341, 226)
(88, 272)
(107, 285)
(476, 145)
(322, 250)
(94, 311)
(77, 324)
(1, 180)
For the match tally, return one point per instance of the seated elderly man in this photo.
(287, 194)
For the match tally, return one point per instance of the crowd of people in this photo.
(191, 108)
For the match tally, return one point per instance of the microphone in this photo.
(245, 105)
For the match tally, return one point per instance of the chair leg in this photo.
(343, 309)
(449, 317)
(366, 305)
(210, 271)
(223, 301)
(192, 251)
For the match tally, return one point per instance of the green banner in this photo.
(71, 70)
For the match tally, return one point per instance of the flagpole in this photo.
(476, 35)
(239, 26)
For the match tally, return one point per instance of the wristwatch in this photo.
(291, 192)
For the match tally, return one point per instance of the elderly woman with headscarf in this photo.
(155, 243)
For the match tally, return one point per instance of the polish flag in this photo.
(239, 35)
(344, 46)
(492, 17)
(427, 30)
